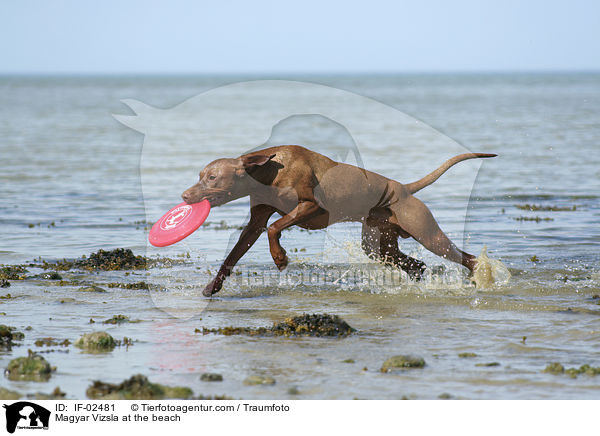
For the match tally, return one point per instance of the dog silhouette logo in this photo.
(26, 415)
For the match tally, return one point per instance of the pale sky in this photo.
(304, 36)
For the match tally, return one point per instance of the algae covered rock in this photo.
(313, 325)
(402, 362)
(136, 388)
(111, 260)
(12, 272)
(211, 377)
(259, 380)
(554, 368)
(51, 275)
(8, 336)
(32, 367)
(119, 319)
(466, 355)
(56, 394)
(5, 394)
(136, 285)
(304, 325)
(118, 259)
(51, 342)
(91, 288)
(97, 341)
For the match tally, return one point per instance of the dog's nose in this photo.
(186, 197)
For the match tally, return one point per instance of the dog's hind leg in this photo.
(259, 216)
(381, 244)
(416, 219)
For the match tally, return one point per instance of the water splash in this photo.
(489, 271)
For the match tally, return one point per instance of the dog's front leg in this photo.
(304, 211)
(259, 215)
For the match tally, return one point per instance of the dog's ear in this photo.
(251, 162)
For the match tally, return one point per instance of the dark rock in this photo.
(211, 377)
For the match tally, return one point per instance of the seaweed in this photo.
(8, 336)
(13, 272)
(112, 260)
(117, 259)
(56, 394)
(6, 394)
(91, 288)
(534, 207)
(138, 387)
(120, 319)
(51, 275)
(556, 368)
(537, 219)
(305, 325)
(137, 285)
(51, 342)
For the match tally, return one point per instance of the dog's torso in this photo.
(345, 192)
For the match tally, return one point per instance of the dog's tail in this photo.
(432, 177)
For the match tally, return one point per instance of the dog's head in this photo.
(224, 180)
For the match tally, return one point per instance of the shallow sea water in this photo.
(73, 171)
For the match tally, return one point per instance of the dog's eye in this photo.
(212, 177)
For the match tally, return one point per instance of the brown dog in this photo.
(312, 191)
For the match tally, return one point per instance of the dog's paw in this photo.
(212, 288)
(415, 269)
(281, 260)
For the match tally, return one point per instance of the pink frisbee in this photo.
(178, 223)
